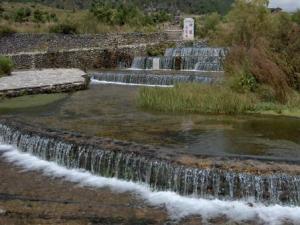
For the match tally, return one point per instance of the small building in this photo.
(188, 29)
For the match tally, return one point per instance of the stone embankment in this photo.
(42, 81)
(31, 51)
(17, 43)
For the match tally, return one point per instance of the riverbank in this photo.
(214, 99)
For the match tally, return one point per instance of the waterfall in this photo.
(142, 63)
(120, 160)
(193, 58)
(152, 78)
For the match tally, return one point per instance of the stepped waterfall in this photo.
(192, 58)
(148, 78)
(159, 174)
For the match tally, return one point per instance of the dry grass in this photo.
(257, 63)
(82, 19)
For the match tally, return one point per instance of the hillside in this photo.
(186, 6)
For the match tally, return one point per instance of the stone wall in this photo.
(56, 42)
(58, 88)
(29, 51)
(93, 58)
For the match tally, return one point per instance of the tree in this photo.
(247, 22)
(265, 47)
(207, 25)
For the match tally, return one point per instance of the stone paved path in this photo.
(42, 81)
(41, 78)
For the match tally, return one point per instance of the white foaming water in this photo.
(176, 205)
(94, 81)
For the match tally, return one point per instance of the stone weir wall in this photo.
(30, 51)
(85, 58)
(160, 169)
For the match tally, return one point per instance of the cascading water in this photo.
(193, 58)
(152, 78)
(123, 163)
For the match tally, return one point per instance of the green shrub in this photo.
(38, 16)
(207, 25)
(22, 14)
(126, 14)
(6, 30)
(64, 28)
(6, 66)
(158, 50)
(296, 16)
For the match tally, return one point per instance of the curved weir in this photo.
(151, 78)
(139, 163)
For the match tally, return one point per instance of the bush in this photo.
(38, 16)
(22, 14)
(158, 50)
(268, 43)
(296, 16)
(64, 28)
(126, 14)
(6, 66)
(6, 30)
(204, 27)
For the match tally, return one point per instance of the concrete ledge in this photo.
(43, 81)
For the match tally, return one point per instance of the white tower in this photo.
(189, 29)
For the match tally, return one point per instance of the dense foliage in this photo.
(265, 48)
(101, 17)
(121, 14)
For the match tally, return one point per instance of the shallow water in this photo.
(111, 111)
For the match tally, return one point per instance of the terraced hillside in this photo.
(187, 6)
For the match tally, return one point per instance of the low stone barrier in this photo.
(43, 81)
(85, 58)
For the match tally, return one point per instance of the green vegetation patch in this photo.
(6, 66)
(9, 104)
(214, 99)
(196, 98)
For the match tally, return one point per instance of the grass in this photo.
(212, 99)
(291, 108)
(196, 98)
